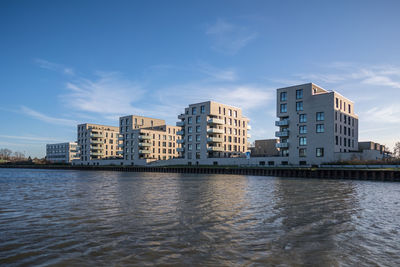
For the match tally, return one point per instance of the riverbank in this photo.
(380, 174)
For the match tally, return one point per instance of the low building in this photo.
(265, 148)
(97, 142)
(62, 152)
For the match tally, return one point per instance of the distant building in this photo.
(98, 141)
(213, 130)
(379, 150)
(148, 139)
(62, 152)
(265, 148)
(314, 124)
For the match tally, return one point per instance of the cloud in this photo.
(54, 66)
(108, 94)
(45, 118)
(218, 74)
(228, 38)
(31, 138)
(384, 114)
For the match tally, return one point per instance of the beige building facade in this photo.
(314, 124)
(62, 152)
(98, 142)
(212, 130)
(144, 138)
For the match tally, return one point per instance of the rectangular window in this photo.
(197, 129)
(197, 138)
(320, 152)
(190, 138)
(189, 120)
(349, 108)
(203, 110)
(283, 108)
(302, 152)
(337, 102)
(299, 94)
(320, 116)
(303, 141)
(335, 127)
(283, 96)
(197, 146)
(337, 140)
(303, 129)
(197, 119)
(320, 128)
(190, 147)
(194, 111)
(303, 118)
(299, 106)
(190, 129)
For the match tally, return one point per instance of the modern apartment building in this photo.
(62, 152)
(265, 148)
(98, 141)
(212, 130)
(148, 139)
(314, 124)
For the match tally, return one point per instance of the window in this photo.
(337, 140)
(197, 129)
(337, 102)
(320, 116)
(283, 108)
(189, 120)
(320, 152)
(203, 110)
(194, 111)
(283, 96)
(190, 138)
(197, 146)
(299, 94)
(303, 129)
(230, 112)
(303, 118)
(235, 112)
(349, 108)
(190, 147)
(299, 106)
(335, 127)
(190, 129)
(320, 128)
(302, 152)
(197, 119)
(198, 138)
(303, 141)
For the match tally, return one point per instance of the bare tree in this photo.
(18, 155)
(5, 153)
(396, 150)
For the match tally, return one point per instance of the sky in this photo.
(69, 62)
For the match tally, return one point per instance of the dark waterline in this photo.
(85, 218)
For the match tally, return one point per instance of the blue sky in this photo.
(69, 62)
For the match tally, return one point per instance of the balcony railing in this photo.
(284, 122)
(120, 152)
(248, 127)
(97, 142)
(181, 116)
(144, 137)
(282, 145)
(282, 133)
(144, 144)
(215, 121)
(180, 149)
(215, 148)
(248, 135)
(180, 123)
(215, 131)
(214, 140)
(96, 135)
(143, 151)
(120, 145)
(180, 141)
(96, 153)
(180, 132)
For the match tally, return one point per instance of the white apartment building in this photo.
(98, 142)
(148, 139)
(212, 130)
(314, 124)
(62, 152)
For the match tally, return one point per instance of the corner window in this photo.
(299, 94)
(299, 106)
(320, 128)
(320, 116)
(283, 108)
(320, 152)
(303, 141)
(283, 96)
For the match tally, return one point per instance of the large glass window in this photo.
(320, 128)
(197, 119)
(189, 120)
(283, 96)
(303, 118)
(190, 129)
(303, 129)
(303, 141)
(203, 110)
(194, 111)
(299, 94)
(320, 116)
(299, 106)
(283, 108)
(320, 152)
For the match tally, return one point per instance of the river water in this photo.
(88, 218)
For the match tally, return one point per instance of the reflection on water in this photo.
(87, 218)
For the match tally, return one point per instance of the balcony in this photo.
(96, 153)
(282, 145)
(215, 121)
(96, 148)
(214, 140)
(248, 135)
(248, 127)
(215, 131)
(180, 123)
(120, 145)
(180, 141)
(144, 144)
(143, 151)
(120, 152)
(120, 137)
(180, 149)
(180, 132)
(97, 142)
(144, 137)
(284, 122)
(282, 133)
(96, 135)
(181, 116)
(215, 148)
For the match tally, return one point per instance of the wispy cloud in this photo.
(228, 38)
(45, 118)
(54, 66)
(217, 73)
(30, 138)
